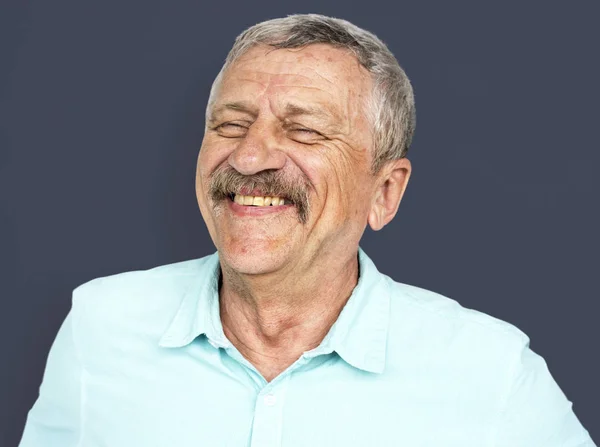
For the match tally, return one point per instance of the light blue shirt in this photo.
(142, 361)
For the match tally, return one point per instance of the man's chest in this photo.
(221, 404)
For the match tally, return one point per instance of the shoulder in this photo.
(149, 286)
(140, 298)
(435, 307)
(441, 326)
(136, 280)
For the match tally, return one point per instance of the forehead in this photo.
(316, 73)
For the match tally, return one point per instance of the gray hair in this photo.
(391, 106)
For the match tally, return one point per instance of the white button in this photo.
(270, 400)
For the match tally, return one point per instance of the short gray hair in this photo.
(391, 107)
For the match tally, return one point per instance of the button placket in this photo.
(270, 400)
(268, 414)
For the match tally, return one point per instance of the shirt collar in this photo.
(198, 311)
(358, 336)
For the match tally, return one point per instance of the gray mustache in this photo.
(226, 182)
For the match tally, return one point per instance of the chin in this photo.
(253, 258)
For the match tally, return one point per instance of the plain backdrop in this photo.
(101, 119)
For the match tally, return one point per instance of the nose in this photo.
(257, 151)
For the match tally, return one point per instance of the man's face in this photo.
(289, 123)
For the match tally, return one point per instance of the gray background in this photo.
(102, 117)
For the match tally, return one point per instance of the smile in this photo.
(257, 200)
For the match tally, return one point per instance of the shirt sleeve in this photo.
(55, 418)
(537, 413)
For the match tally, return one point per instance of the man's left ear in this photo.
(391, 184)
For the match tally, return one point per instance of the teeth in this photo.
(258, 200)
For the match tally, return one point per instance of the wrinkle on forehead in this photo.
(285, 77)
(327, 63)
(265, 79)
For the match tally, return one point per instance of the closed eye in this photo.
(221, 126)
(231, 129)
(305, 135)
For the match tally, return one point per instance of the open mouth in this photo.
(258, 200)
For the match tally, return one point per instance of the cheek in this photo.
(324, 164)
(210, 157)
(346, 172)
(350, 190)
(339, 180)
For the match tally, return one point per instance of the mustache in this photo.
(226, 182)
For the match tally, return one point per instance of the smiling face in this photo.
(287, 126)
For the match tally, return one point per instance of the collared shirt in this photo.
(141, 360)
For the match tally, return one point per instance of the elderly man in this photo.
(288, 335)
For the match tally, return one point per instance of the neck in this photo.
(272, 319)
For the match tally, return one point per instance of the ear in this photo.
(392, 180)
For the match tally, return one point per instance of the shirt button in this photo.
(270, 400)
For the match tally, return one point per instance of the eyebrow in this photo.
(297, 110)
(239, 106)
(290, 110)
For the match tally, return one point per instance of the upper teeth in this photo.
(258, 200)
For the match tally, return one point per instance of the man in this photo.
(288, 335)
